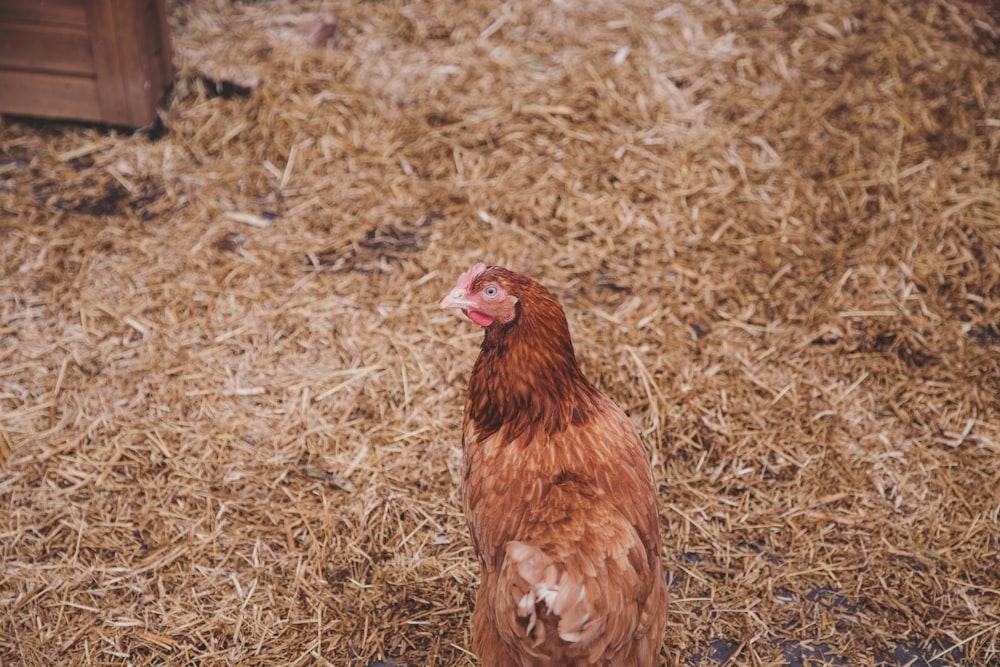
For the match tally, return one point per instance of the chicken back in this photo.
(557, 491)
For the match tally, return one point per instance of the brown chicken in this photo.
(558, 493)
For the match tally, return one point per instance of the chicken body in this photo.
(557, 491)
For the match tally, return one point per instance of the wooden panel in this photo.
(49, 48)
(49, 95)
(62, 12)
(113, 69)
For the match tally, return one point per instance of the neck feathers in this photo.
(526, 377)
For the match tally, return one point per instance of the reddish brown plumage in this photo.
(558, 494)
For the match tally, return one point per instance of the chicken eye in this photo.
(491, 291)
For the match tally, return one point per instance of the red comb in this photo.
(466, 279)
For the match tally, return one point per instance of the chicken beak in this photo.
(454, 299)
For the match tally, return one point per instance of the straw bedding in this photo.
(230, 409)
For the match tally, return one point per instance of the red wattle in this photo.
(482, 319)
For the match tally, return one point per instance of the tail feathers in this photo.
(553, 599)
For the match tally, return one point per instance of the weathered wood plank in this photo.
(130, 57)
(46, 47)
(164, 51)
(57, 12)
(103, 27)
(49, 95)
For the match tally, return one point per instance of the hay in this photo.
(229, 409)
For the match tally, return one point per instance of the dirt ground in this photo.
(230, 408)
